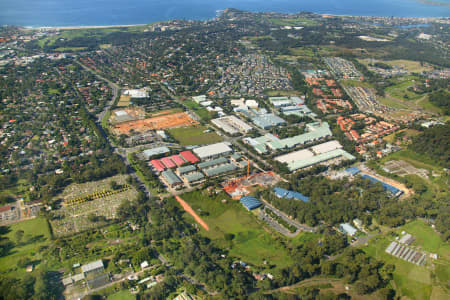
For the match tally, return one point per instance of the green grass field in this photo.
(70, 49)
(400, 91)
(253, 242)
(36, 235)
(293, 22)
(356, 83)
(418, 160)
(416, 282)
(69, 34)
(301, 51)
(427, 238)
(394, 103)
(200, 111)
(122, 295)
(194, 135)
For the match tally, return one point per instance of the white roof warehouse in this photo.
(213, 150)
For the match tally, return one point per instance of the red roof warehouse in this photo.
(187, 155)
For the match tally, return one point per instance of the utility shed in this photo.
(93, 267)
(250, 202)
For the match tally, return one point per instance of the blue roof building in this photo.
(250, 202)
(392, 189)
(352, 171)
(283, 193)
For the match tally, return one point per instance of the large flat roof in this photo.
(295, 156)
(326, 147)
(299, 164)
(220, 169)
(267, 120)
(231, 124)
(318, 131)
(155, 151)
(212, 150)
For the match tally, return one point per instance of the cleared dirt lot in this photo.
(155, 123)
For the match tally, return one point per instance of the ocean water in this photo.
(38, 13)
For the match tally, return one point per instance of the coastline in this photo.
(80, 27)
(84, 27)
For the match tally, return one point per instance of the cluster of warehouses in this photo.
(207, 161)
(316, 131)
(292, 106)
(406, 253)
(173, 161)
(263, 119)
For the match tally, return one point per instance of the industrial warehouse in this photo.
(231, 125)
(187, 168)
(268, 142)
(329, 152)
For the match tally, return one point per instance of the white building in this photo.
(231, 124)
(142, 93)
(213, 150)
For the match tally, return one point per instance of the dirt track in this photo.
(192, 213)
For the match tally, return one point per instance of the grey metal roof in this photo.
(236, 156)
(220, 170)
(186, 169)
(92, 266)
(214, 162)
(171, 177)
(155, 151)
(194, 177)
